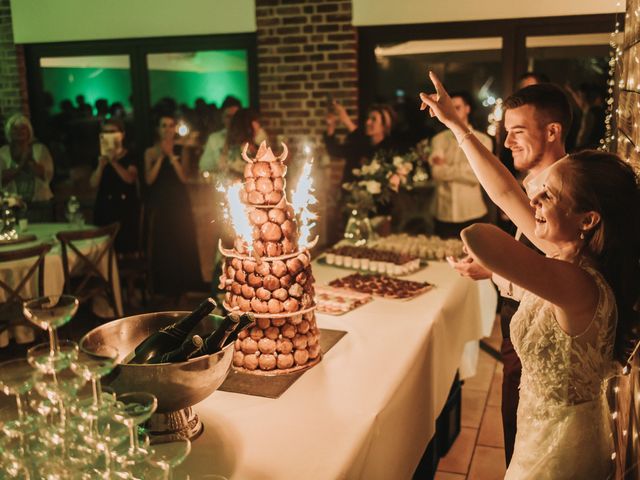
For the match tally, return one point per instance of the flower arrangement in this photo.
(386, 174)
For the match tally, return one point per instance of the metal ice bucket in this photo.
(177, 386)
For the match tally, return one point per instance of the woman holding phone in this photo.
(116, 178)
(174, 252)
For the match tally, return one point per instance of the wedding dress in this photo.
(564, 429)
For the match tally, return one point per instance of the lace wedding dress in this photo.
(563, 419)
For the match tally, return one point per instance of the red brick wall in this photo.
(13, 91)
(306, 52)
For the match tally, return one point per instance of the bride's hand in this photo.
(440, 105)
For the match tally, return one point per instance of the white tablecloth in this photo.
(12, 272)
(368, 410)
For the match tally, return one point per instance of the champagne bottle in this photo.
(214, 342)
(180, 354)
(170, 337)
(247, 319)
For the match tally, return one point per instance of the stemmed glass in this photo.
(92, 366)
(49, 313)
(16, 378)
(168, 456)
(132, 409)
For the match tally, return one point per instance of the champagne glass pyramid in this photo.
(268, 274)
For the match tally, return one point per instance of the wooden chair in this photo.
(11, 308)
(90, 281)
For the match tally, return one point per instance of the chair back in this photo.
(89, 265)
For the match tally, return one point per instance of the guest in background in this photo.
(590, 98)
(174, 252)
(360, 145)
(243, 129)
(116, 178)
(27, 168)
(216, 141)
(459, 201)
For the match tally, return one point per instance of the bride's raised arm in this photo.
(500, 185)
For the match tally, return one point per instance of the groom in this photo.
(537, 120)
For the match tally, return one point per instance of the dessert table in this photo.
(368, 409)
(12, 272)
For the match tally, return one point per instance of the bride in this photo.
(577, 313)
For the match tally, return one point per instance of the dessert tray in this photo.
(383, 286)
(338, 301)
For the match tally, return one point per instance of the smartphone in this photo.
(110, 142)
(177, 149)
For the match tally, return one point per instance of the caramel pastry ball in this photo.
(307, 301)
(259, 306)
(264, 185)
(240, 246)
(281, 294)
(271, 283)
(258, 216)
(277, 216)
(278, 183)
(312, 338)
(275, 306)
(261, 169)
(272, 332)
(288, 330)
(227, 297)
(299, 342)
(309, 317)
(250, 185)
(263, 294)
(249, 346)
(277, 169)
(244, 304)
(273, 197)
(288, 246)
(301, 357)
(256, 333)
(295, 319)
(231, 272)
(305, 259)
(288, 229)
(249, 266)
(244, 197)
(291, 214)
(266, 345)
(250, 362)
(263, 269)
(295, 266)
(241, 276)
(243, 334)
(238, 358)
(285, 282)
(303, 327)
(301, 278)
(270, 232)
(296, 290)
(273, 249)
(248, 170)
(234, 301)
(248, 292)
(278, 268)
(236, 289)
(255, 281)
(278, 321)
(263, 323)
(291, 305)
(267, 362)
(236, 263)
(284, 346)
(314, 351)
(255, 198)
(285, 361)
(258, 248)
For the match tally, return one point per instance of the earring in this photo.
(581, 235)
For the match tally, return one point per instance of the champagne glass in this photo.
(167, 456)
(91, 366)
(132, 409)
(16, 378)
(45, 360)
(49, 313)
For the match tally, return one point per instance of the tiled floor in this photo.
(478, 453)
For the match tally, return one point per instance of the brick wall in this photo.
(13, 91)
(306, 52)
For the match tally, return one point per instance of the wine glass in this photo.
(49, 313)
(167, 456)
(45, 360)
(132, 409)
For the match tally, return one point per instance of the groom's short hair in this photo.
(550, 102)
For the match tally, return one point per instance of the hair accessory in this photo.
(581, 235)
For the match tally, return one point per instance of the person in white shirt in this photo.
(215, 143)
(26, 167)
(459, 201)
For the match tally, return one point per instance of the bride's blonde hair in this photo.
(604, 183)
